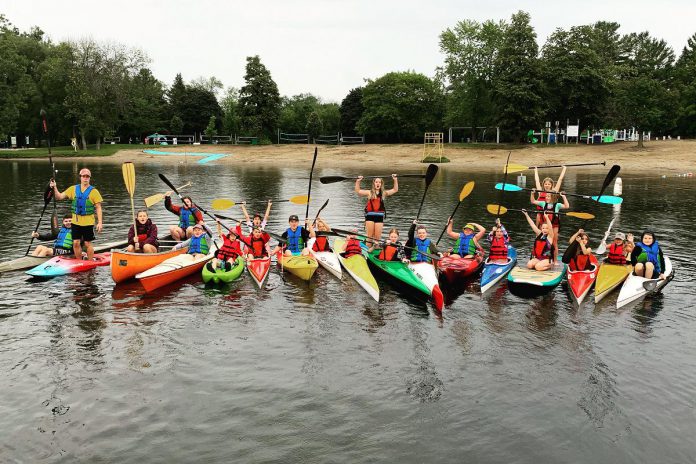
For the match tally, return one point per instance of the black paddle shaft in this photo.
(365, 238)
(309, 190)
(429, 176)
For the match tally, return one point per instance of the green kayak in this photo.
(398, 271)
(219, 275)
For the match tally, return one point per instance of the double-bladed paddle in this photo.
(227, 218)
(464, 192)
(365, 238)
(225, 203)
(512, 168)
(157, 197)
(499, 209)
(333, 179)
(48, 194)
(309, 190)
(319, 212)
(429, 176)
(606, 199)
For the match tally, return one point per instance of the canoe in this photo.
(219, 275)
(62, 265)
(580, 282)
(300, 266)
(173, 269)
(529, 282)
(329, 261)
(493, 272)
(356, 266)
(458, 269)
(125, 264)
(258, 268)
(609, 277)
(27, 262)
(634, 287)
(427, 274)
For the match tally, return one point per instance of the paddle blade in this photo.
(129, 177)
(585, 216)
(153, 200)
(48, 194)
(508, 187)
(608, 199)
(650, 285)
(222, 203)
(332, 179)
(430, 174)
(611, 175)
(601, 249)
(299, 199)
(496, 209)
(169, 184)
(512, 168)
(466, 190)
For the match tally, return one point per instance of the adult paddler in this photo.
(86, 203)
(375, 210)
(188, 214)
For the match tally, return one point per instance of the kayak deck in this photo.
(358, 269)
(530, 282)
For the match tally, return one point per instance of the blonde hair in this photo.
(373, 192)
(548, 179)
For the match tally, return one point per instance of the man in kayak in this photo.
(619, 252)
(145, 240)
(86, 203)
(419, 241)
(296, 238)
(62, 244)
(257, 221)
(647, 257)
(188, 216)
(499, 239)
(467, 241)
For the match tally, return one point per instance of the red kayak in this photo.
(62, 265)
(458, 269)
(258, 268)
(580, 282)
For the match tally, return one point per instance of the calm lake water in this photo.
(319, 372)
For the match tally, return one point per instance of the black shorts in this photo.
(60, 251)
(82, 233)
(374, 217)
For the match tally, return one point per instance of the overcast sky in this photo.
(323, 47)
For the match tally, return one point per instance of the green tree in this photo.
(210, 130)
(146, 108)
(400, 106)
(685, 75)
(351, 110)
(330, 118)
(259, 100)
(198, 106)
(176, 125)
(518, 90)
(175, 96)
(313, 125)
(231, 122)
(295, 112)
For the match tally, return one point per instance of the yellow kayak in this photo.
(609, 277)
(357, 267)
(301, 266)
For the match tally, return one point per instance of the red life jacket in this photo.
(498, 249)
(352, 248)
(542, 247)
(580, 262)
(555, 218)
(541, 197)
(375, 205)
(229, 249)
(321, 244)
(258, 246)
(389, 253)
(142, 237)
(616, 254)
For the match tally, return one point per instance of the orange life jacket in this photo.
(499, 249)
(352, 248)
(616, 254)
(321, 244)
(389, 253)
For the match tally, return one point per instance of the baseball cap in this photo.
(620, 235)
(293, 217)
(198, 226)
(86, 172)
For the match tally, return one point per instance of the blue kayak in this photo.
(493, 272)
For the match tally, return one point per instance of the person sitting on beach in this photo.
(62, 241)
(257, 220)
(542, 257)
(145, 240)
(499, 239)
(467, 241)
(647, 257)
(188, 216)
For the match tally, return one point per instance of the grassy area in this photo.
(61, 152)
(435, 159)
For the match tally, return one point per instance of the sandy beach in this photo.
(659, 157)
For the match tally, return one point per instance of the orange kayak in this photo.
(173, 269)
(125, 265)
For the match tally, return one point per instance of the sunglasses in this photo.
(85, 175)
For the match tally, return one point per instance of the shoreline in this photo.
(658, 157)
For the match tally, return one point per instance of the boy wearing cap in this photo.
(619, 252)
(467, 241)
(198, 243)
(296, 238)
(86, 202)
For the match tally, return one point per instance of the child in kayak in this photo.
(321, 242)
(551, 205)
(145, 240)
(230, 250)
(198, 243)
(375, 211)
(619, 252)
(542, 257)
(580, 259)
(419, 241)
(499, 239)
(63, 243)
(188, 216)
(647, 257)
(352, 247)
(257, 220)
(256, 243)
(548, 184)
(467, 241)
(296, 238)
(393, 249)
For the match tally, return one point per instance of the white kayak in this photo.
(427, 274)
(329, 261)
(636, 287)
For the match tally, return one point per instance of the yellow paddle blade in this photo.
(129, 177)
(581, 215)
(466, 190)
(299, 200)
(154, 199)
(493, 209)
(512, 168)
(222, 203)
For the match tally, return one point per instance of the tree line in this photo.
(493, 74)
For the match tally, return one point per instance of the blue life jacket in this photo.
(185, 216)
(81, 205)
(198, 245)
(424, 247)
(295, 241)
(466, 245)
(653, 254)
(64, 239)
